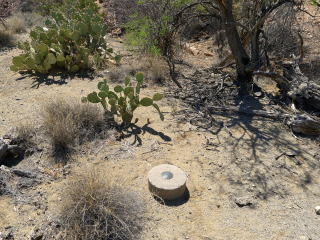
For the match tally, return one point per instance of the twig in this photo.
(227, 129)
(316, 152)
(166, 143)
(280, 155)
(295, 202)
(172, 71)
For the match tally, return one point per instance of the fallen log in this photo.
(300, 88)
(298, 123)
(295, 85)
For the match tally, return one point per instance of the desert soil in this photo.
(238, 188)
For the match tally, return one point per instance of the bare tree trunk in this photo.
(255, 49)
(240, 55)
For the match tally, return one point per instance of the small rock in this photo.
(29, 152)
(291, 153)
(208, 54)
(317, 209)
(3, 147)
(22, 173)
(243, 201)
(36, 234)
(257, 94)
(194, 51)
(6, 136)
(304, 238)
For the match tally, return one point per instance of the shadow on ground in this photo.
(249, 151)
(175, 202)
(134, 130)
(254, 165)
(55, 77)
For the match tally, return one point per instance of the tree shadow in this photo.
(248, 149)
(57, 77)
(134, 130)
(251, 165)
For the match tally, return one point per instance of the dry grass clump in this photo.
(31, 19)
(95, 206)
(16, 24)
(156, 69)
(118, 73)
(69, 122)
(6, 38)
(24, 135)
(282, 33)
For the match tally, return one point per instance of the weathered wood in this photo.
(299, 123)
(305, 125)
(261, 113)
(300, 88)
(294, 84)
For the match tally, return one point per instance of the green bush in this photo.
(73, 42)
(126, 103)
(154, 25)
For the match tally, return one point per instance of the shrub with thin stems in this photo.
(69, 122)
(24, 135)
(7, 7)
(96, 206)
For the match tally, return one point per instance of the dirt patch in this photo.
(238, 186)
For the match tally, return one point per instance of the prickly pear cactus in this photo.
(73, 39)
(123, 101)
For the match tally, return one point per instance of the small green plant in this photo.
(127, 102)
(72, 40)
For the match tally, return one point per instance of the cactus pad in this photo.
(74, 68)
(14, 68)
(51, 59)
(146, 102)
(17, 61)
(30, 63)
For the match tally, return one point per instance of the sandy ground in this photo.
(223, 164)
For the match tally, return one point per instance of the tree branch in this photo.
(299, 123)
(281, 80)
(241, 25)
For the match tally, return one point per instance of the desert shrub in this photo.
(7, 8)
(6, 38)
(282, 33)
(68, 122)
(116, 74)
(74, 38)
(156, 70)
(24, 135)
(154, 25)
(16, 24)
(95, 206)
(31, 19)
(45, 7)
(118, 12)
